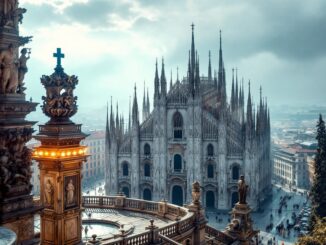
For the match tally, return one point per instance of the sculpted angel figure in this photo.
(22, 70)
(70, 192)
(7, 67)
(49, 190)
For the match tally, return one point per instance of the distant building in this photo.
(311, 169)
(290, 166)
(94, 167)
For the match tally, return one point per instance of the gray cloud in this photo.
(291, 33)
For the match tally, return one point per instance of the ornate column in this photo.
(60, 158)
(200, 221)
(16, 203)
(241, 226)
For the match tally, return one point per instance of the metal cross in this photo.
(59, 56)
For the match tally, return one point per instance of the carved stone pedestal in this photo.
(16, 204)
(240, 227)
(60, 158)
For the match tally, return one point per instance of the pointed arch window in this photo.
(147, 170)
(177, 163)
(147, 149)
(235, 172)
(125, 169)
(210, 171)
(210, 150)
(177, 125)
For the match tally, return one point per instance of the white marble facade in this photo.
(193, 133)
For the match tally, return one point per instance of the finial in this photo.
(220, 39)
(59, 56)
(177, 73)
(260, 91)
(192, 26)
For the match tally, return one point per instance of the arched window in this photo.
(210, 171)
(147, 170)
(147, 194)
(177, 125)
(210, 150)
(177, 163)
(125, 169)
(147, 149)
(125, 191)
(235, 172)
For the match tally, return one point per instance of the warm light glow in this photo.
(60, 152)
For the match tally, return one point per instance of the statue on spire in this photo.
(242, 189)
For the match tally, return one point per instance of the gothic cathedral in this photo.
(192, 134)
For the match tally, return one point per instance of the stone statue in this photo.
(196, 193)
(22, 70)
(242, 189)
(49, 191)
(8, 67)
(70, 192)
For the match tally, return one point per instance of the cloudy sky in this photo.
(113, 44)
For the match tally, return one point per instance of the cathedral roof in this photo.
(179, 93)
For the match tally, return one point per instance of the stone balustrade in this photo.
(183, 219)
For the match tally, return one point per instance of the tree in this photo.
(318, 190)
(317, 236)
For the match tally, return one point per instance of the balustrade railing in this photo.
(217, 235)
(184, 220)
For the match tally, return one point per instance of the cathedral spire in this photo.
(220, 63)
(197, 77)
(112, 128)
(117, 121)
(171, 80)
(236, 95)
(163, 81)
(135, 116)
(144, 104)
(209, 67)
(156, 83)
(148, 104)
(221, 76)
(193, 61)
(107, 129)
(129, 119)
(232, 92)
(250, 119)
